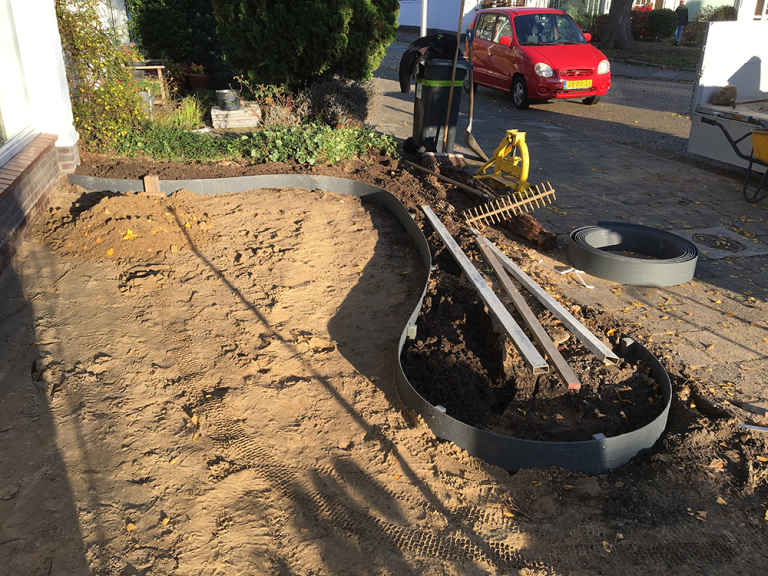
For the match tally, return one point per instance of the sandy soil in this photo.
(214, 393)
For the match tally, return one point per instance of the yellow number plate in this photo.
(577, 84)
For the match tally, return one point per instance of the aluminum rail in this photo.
(542, 338)
(498, 310)
(574, 326)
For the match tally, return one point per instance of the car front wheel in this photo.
(591, 100)
(520, 93)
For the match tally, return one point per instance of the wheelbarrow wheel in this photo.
(520, 93)
(591, 100)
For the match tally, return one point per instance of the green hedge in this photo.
(289, 42)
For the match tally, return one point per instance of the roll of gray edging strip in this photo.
(504, 451)
(672, 259)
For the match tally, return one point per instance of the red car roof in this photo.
(521, 10)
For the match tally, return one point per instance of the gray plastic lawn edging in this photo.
(596, 250)
(506, 452)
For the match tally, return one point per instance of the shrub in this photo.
(290, 42)
(639, 24)
(598, 27)
(694, 32)
(306, 144)
(105, 101)
(662, 23)
(189, 114)
(182, 30)
(583, 20)
(715, 14)
(334, 102)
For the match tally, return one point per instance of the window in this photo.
(15, 114)
(486, 24)
(547, 29)
(504, 28)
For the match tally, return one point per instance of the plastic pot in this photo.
(228, 99)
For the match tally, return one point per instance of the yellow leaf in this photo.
(131, 527)
(98, 240)
(397, 477)
(186, 224)
(166, 520)
(110, 252)
(194, 419)
(174, 249)
(173, 461)
(128, 235)
(718, 301)
(508, 514)
(729, 314)
(568, 486)
(709, 346)
(196, 437)
(762, 459)
(664, 318)
(536, 483)
(720, 501)
(611, 332)
(607, 547)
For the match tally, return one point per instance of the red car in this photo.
(537, 54)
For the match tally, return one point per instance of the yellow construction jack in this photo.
(510, 170)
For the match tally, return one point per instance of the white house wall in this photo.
(39, 44)
(441, 14)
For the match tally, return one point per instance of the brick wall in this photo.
(27, 183)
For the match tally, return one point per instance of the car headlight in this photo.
(604, 67)
(543, 70)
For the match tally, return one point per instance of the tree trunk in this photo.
(618, 31)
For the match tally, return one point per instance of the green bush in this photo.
(662, 23)
(182, 30)
(105, 101)
(305, 144)
(583, 19)
(290, 42)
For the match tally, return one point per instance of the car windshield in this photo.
(535, 29)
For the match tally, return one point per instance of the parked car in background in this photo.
(536, 54)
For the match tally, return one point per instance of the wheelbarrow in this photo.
(759, 154)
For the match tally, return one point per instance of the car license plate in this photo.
(576, 84)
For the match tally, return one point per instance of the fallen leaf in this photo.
(623, 415)
(607, 547)
(173, 461)
(128, 235)
(709, 346)
(721, 501)
(508, 514)
(558, 416)
(766, 515)
(701, 515)
(611, 332)
(304, 530)
(131, 527)
(597, 412)
(174, 249)
(729, 314)
(717, 464)
(110, 252)
(762, 459)
(568, 486)
(374, 378)
(196, 437)
(397, 477)
(194, 419)
(718, 301)
(165, 521)
(536, 483)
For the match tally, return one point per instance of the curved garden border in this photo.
(509, 453)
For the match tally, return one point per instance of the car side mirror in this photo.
(587, 36)
(505, 41)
